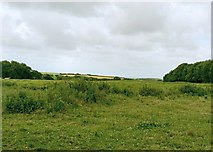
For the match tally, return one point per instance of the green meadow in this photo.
(84, 114)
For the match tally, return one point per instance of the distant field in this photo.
(90, 76)
(100, 77)
(82, 75)
(53, 73)
(106, 115)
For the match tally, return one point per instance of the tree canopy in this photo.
(16, 70)
(198, 72)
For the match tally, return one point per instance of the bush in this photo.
(8, 83)
(115, 90)
(149, 91)
(124, 91)
(127, 92)
(87, 90)
(117, 78)
(22, 104)
(55, 105)
(193, 90)
(91, 95)
(80, 85)
(104, 86)
(128, 79)
(47, 77)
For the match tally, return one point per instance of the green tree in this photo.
(6, 69)
(16, 70)
(197, 72)
(47, 77)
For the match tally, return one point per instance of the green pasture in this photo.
(105, 115)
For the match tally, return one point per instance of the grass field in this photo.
(106, 115)
(90, 76)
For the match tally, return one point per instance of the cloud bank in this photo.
(126, 39)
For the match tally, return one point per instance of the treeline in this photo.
(199, 72)
(16, 70)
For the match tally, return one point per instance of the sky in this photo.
(136, 40)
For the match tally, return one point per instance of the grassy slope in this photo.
(172, 122)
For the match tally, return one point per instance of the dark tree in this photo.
(47, 77)
(117, 78)
(198, 72)
(16, 70)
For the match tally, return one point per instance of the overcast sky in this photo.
(123, 39)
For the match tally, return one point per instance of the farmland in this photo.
(105, 115)
(87, 76)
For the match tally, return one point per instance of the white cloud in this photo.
(128, 39)
(134, 18)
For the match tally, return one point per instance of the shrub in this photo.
(127, 92)
(47, 77)
(149, 91)
(117, 78)
(55, 101)
(104, 86)
(87, 90)
(115, 90)
(22, 104)
(124, 91)
(55, 105)
(128, 79)
(8, 83)
(93, 94)
(80, 85)
(193, 90)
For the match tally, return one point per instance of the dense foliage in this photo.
(16, 70)
(198, 72)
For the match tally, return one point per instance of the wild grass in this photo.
(105, 115)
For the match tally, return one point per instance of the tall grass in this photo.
(56, 96)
